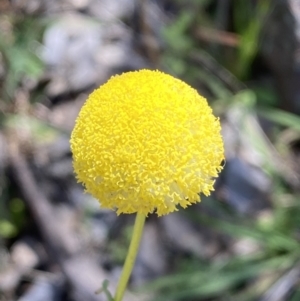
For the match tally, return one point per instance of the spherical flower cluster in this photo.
(146, 141)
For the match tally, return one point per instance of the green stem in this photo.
(131, 255)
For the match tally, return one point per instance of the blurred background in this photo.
(240, 244)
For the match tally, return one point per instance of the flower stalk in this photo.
(131, 255)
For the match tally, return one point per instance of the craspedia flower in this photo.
(146, 141)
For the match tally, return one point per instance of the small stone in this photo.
(24, 255)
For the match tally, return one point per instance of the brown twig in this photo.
(205, 60)
(218, 36)
(148, 41)
(80, 271)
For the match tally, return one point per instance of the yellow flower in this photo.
(146, 141)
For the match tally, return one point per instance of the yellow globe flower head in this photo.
(146, 141)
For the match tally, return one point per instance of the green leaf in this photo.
(7, 229)
(282, 118)
(104, 289)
